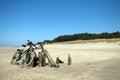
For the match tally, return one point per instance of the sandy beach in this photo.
(90, 61)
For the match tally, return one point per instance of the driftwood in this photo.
(32, 56)
(51, 62)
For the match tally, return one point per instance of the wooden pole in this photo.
(40, 59)
(69, 59)
(57, 62)
(43, 60)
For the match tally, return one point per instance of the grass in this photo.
(114, 40)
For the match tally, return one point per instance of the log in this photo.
(50, 60)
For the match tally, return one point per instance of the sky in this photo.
(39, 20)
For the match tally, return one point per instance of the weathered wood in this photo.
(40, 59)
(50, 59)
(57, 62)
(31, 61)
(31, 56)
(43, 60)
(49, 63)
(69, 59)
(14, 58)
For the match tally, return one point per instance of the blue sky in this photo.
(39, 20)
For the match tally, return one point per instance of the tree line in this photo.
(85, 36)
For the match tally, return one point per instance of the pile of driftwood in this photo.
(32, 55)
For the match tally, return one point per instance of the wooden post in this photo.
(43, 60)
(69, 59)
(40, 59)
(57, 62)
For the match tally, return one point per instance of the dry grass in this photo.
(114, 40)
(90, 61)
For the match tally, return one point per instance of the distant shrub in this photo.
(86, 36)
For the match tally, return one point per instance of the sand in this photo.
(90, 61)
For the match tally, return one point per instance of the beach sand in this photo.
(90, 61)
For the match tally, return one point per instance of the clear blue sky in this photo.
(38, 20)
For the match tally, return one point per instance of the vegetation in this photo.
(83, 36)
(86, 36)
